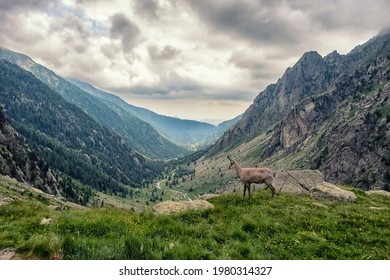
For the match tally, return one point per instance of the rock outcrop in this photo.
(327, 191)
(378, 192)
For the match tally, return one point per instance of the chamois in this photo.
(253, 175)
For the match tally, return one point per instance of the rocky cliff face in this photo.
(346, 139)
(344, 132)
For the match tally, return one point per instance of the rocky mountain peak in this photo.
(310, 57)
(333, 57)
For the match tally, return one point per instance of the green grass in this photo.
(287, 227)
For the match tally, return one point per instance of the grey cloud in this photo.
(124, 29)
(75, 32)
(290, 23)
(177, 83)
(165, 53)
(256, 21)
(260, 69)
(242, 60)
(143, 91)
(176, 87)
(336, 15)
(160, 92)
(147, 8)
(170, 86)
(23, 5)
(9, 11)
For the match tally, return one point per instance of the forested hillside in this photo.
(72, 143)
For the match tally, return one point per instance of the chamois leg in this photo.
(247, 187)
(269, 185)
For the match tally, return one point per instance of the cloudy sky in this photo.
(194, 59)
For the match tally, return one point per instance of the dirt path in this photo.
(180, 194)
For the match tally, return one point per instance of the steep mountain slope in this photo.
(69, 140)
(187, 133)
(330, 113)
(139, 134)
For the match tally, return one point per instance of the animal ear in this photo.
(228, 156)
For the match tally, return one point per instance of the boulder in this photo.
(169, 207)
(378, 192)
(46, 221)
(297, 181)
(327, 191)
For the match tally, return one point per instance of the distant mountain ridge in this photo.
(179, 131)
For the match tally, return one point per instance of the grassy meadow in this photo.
(287, 227)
